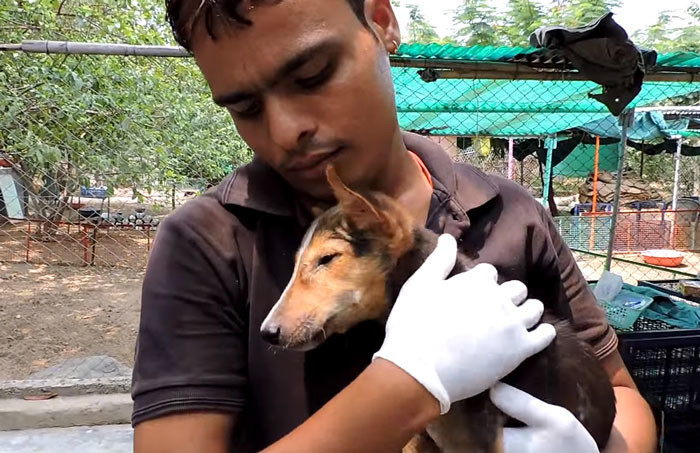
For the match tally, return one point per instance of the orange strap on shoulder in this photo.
(423, 168)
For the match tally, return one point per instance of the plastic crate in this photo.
(621, 316)
(582, 208)
(665, 364)
(93, 192)
(670, 287)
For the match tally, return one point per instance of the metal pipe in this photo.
(446, 69)
(511, 158)
(677, 173)
(551, 144)
(626, 118)
(86, 48)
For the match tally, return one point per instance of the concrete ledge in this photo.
(65, 387)
(65, 411)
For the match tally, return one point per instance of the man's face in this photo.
(307, 84)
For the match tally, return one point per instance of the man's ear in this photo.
(358, 210)
(381, 18)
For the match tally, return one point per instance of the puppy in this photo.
(352, 263)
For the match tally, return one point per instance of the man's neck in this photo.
(404, 181)
(401, 179)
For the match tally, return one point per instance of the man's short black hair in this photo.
(183, 15)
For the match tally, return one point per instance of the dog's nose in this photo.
(271, 334)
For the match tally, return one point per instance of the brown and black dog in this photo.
(352, 263)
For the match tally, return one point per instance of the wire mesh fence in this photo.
(92, 160)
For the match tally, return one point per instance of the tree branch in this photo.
(60, 7)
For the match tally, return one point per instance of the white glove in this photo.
(460, 336)
(549, 428)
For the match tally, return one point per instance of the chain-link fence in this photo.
(95, 151)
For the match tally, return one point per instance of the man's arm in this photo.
(402, 390)
(635, 429)
(380, 411)
(185, 433)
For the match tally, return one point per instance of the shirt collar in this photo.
(258, 187)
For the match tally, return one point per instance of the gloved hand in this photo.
(460, 336)
(549, 428)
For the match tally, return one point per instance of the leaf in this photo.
(40, 396)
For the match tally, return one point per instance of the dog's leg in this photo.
(473, 425)
(499, 447)
(422, 443)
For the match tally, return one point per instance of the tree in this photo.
(419, 30)
(663, 37)
(523, 17)
(143, 123)
(476, 24)
(576, 13)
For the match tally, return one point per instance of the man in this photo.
(308, 82)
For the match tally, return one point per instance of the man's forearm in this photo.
(380, 411)
(635, 429)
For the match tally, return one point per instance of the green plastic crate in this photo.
(625, 309)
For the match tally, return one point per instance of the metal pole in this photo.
(511, 159)
(550, 143)
(88, 48)
(677, 173)
(626, 119)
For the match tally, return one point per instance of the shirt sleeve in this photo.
(191, 346)
(588, 318)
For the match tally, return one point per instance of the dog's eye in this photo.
(326, 259)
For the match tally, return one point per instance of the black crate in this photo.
(670, 287)
(665, 364)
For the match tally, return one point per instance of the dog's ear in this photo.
(358, 209)
(316, 211)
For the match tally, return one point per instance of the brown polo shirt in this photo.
(220, 262)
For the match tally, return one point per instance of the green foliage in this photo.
(476, 24)
(479, 23)
(144, 123)
(419, 30)
(576, 13)
(523, 17)
(664, 37)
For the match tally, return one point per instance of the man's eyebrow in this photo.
(327, 45)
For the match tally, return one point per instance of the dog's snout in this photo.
(271, 333)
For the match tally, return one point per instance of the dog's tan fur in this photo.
(349, 268)
(330, 299)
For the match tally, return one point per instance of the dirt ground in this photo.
(592, 267)
(50, 313)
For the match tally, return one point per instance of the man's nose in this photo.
(290, 126)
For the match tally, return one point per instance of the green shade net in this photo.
(508, 108)
(581, 161)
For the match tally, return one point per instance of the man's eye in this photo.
(317, 79)
(247, 108)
